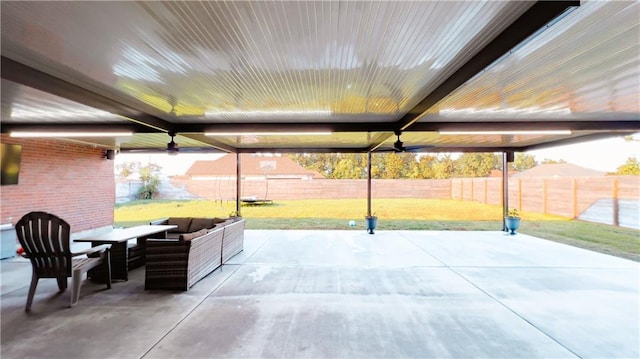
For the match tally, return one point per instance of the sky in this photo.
(603, 155)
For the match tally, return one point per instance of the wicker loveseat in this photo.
(179, 263)
(137, 251)
(189, 224)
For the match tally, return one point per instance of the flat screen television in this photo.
(10, 156)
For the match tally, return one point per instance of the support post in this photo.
(574, 195)
(505, 187)
(238, 184)
(369, 184)
(616, 203)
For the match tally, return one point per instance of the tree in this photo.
(549, 161)
(349, 166)
(409, 165)
(631, 167)
(149, 174)
(377, 165)
(443, 167)
(126, 169)
(383, 165)
(266, 167)
(393, 166)
(426, 166)
(523, 162)
(323, 163)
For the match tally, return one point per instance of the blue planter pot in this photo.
(372, 222)
(512, 223)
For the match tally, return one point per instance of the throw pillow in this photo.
(182, 223)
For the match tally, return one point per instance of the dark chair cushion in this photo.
(200, 223)
(182, 223)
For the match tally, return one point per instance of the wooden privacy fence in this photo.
(612, 199)
(607, 199)
(283, 189)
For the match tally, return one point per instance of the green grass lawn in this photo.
(348, 209)
(394, 214)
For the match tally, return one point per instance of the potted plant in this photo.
(512, 220)
(372, 222)
(234, 215)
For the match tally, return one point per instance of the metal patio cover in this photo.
(324, 76)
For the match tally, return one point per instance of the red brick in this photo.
(71, 180)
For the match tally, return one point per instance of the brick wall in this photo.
(70, 180)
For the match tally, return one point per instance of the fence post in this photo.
(472, 192)
(451, 188)
(616, 205)
(485, 190)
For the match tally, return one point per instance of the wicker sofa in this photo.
(179, 263)
(138, 250)
(189, 224)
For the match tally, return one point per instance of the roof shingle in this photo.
(251, 165)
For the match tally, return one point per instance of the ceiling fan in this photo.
(172, 148)
(399, 147)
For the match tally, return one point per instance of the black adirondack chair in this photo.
(45, 239)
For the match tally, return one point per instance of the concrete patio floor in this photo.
(347, 294)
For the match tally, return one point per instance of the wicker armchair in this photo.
(45, 239)
(179, 264)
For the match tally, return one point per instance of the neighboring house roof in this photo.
(317, 175)
(498, 173)
(559, 170)
(251, 165)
